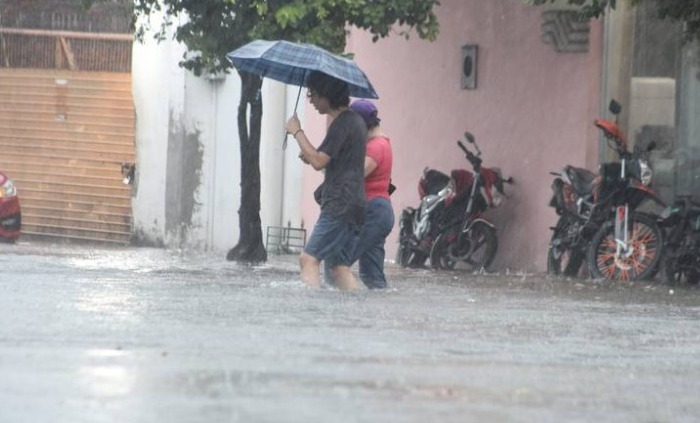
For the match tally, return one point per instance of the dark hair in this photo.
(372, 123)
(336, 91)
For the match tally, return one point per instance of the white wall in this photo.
(293, 167)
(184, 120)
(281, 169)
(157, 83)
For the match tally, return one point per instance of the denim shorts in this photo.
(369, 245)
(332, 237)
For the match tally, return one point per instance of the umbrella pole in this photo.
(296, 104)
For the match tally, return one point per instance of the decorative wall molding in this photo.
(565, 31)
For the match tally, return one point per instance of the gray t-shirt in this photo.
(343, 188)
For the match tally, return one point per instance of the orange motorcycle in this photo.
(599, 215)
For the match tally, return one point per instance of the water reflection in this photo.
(106, 380)
(110, 297)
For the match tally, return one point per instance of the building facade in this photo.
(535, 95)
(538, 80)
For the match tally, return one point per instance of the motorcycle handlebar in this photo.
(476, 161)
(473, 159)
(459, 143)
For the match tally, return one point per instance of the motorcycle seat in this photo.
(581, 179)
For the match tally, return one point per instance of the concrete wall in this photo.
(688, 151)
(187, 192)
(532, 112)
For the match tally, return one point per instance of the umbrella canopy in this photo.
(291, 63)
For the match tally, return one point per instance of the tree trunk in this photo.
(250, 247)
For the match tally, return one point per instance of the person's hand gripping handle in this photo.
(293, 127)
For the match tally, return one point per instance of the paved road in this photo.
(146, 335)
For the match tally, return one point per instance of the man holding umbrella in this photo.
(341, 195)
(331, 80)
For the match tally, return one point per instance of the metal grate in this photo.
(285, 240)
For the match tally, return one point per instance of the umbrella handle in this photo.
(286, 134)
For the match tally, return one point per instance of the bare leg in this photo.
(310, 269)
(344, 279)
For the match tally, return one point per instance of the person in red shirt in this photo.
(379, 214)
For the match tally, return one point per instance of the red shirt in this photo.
(377, 182)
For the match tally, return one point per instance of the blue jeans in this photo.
(332, 238)
(369, 246)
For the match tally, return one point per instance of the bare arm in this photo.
(317, 159)
(370, 165)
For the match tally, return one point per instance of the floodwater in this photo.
(147, 335)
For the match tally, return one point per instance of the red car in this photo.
(10, 215)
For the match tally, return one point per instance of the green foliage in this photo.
(686, 11)
(212, 28)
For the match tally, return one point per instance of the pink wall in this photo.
(532, 112)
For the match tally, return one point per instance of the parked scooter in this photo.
(596, 220)
(681, 261)
(469, 239)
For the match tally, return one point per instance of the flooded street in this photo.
(91, 334)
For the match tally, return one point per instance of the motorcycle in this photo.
(599, 220)
(418, 226)
(628, 245)
(469, 239)
(681, 262)
(573, 201)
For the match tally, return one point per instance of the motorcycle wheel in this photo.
(679, 268)
(406, 257)
(417, 260)
(564, 259)
(646, 240)
(447, 254)
(404, 254)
